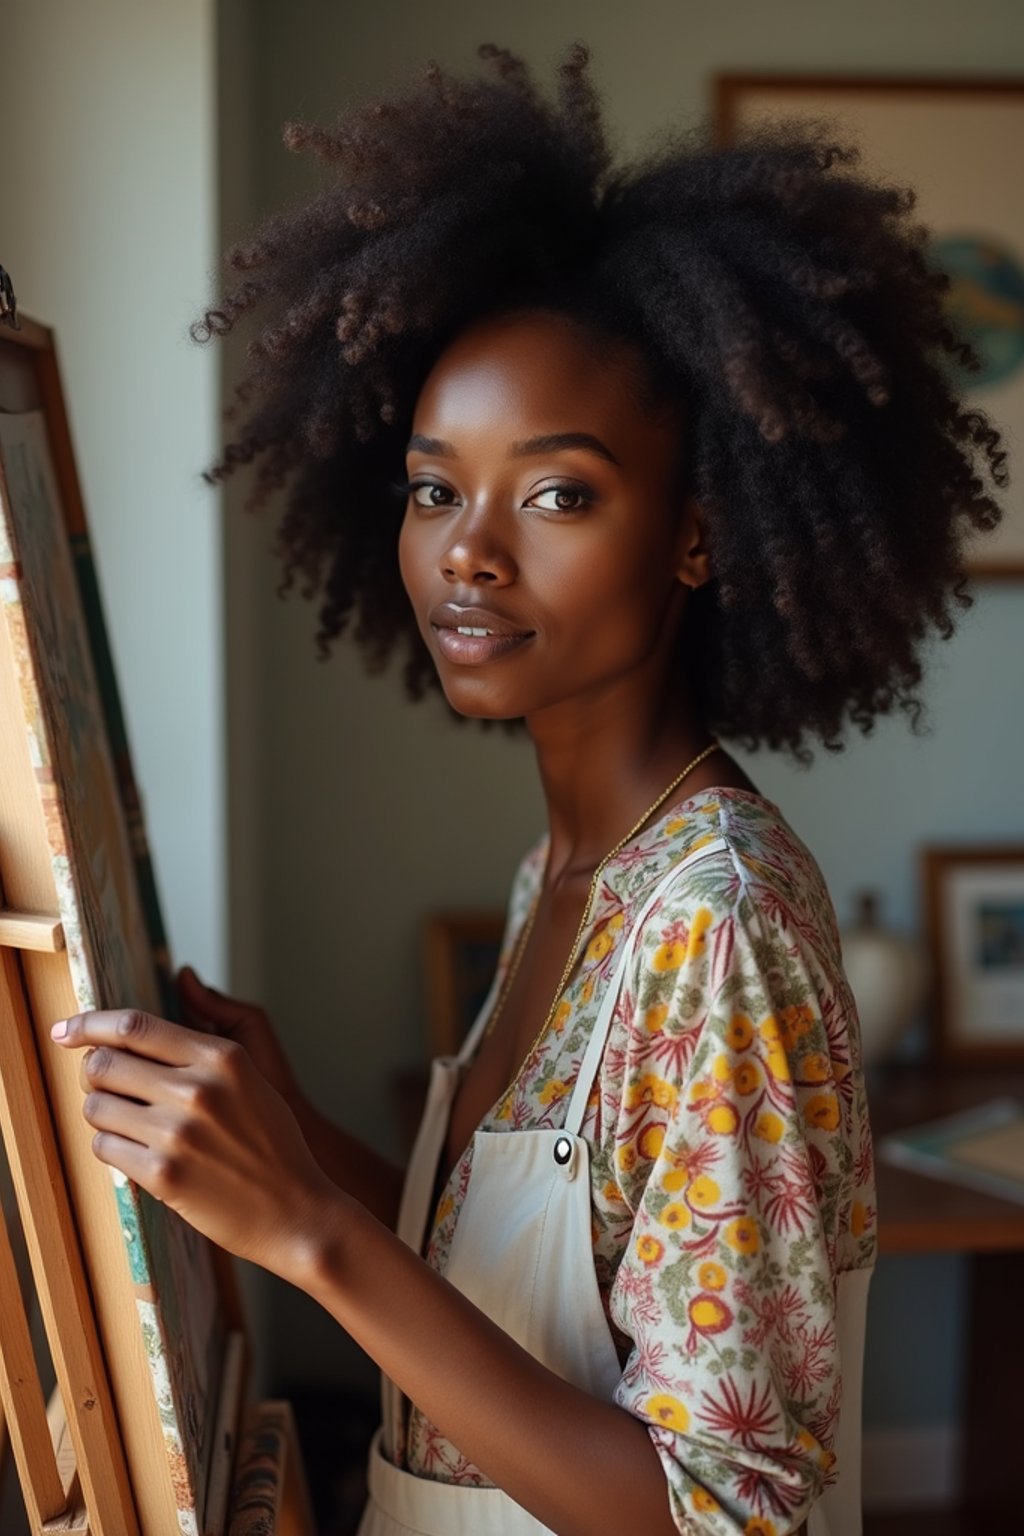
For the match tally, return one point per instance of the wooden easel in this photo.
(94, 1458)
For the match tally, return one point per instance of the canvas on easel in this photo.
(167, 1379)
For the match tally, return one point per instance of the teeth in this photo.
(464, 630)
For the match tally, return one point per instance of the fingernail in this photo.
(59, 1030)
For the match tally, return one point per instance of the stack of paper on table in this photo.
(981, 1147)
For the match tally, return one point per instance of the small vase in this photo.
(887, 977)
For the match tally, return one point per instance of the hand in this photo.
(205, 1009)
(191, 1119)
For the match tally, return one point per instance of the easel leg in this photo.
(22, 1398)
(59, 1276)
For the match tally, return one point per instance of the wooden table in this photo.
(918, 1215)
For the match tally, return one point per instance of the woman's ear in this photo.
(693, 560)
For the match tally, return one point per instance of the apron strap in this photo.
(599, 1034)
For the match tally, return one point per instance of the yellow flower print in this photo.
(746, 1078)
(668, 957)
(599, 946)
(815, 1068)
(649, 1249)
(721, 1069)
(807, 1440)
(625, 1156)
(654, 1018)
(711, 809)
(709, 1314)
(612, 1191)
(701, 1091)
(759, 1525)
(696, 943)
(711, 1276)
(561, 1017)
(742, 1234)
(652, 1090)
(771, 1034)
(704, 1192)
(822, 1110)
(650, 1141)
(675, 1216)
(768, 1126)
(668, 1411)
(587, 990)
(445, 1206)
(795, 1022)
(778, 1064)
(615, 922)
(723, 1119)
(675, 825)
(555, 1089)
(703, 1501)
(858, 1218)
(504, 1109)
(675, 1179)
(769, 1030)
(740, 1032)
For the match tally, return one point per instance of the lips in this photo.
(470, 636)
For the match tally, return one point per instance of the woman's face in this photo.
(543, 549)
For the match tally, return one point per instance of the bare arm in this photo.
(365, 1175)
(581, 1466)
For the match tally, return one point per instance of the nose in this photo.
(476, 556)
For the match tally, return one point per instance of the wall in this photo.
(108, 233)
(374, 812)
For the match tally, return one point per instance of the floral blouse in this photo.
(730, 1154)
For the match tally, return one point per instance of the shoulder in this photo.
(730, 861)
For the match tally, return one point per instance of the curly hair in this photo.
(787, 301)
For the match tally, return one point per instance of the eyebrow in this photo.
(553, 442)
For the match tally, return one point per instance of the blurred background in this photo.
(305, 819)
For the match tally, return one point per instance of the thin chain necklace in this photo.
(584, 920)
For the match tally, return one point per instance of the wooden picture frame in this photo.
(460, 956)
(974, 909)
(956, 141)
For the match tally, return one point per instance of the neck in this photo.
(603, 762)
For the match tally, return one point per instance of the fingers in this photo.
(128, 1030)
(204, 1001)
(134, 1161)
(108, 1112)
(119, 1072)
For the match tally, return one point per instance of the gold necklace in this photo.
(524, 936)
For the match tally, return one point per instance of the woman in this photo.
(681, 465)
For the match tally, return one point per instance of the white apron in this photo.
(531, 1269)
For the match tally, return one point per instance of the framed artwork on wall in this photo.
(974, 906)
(957, 143)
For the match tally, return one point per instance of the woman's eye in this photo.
(562, 498)
(427, 493)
